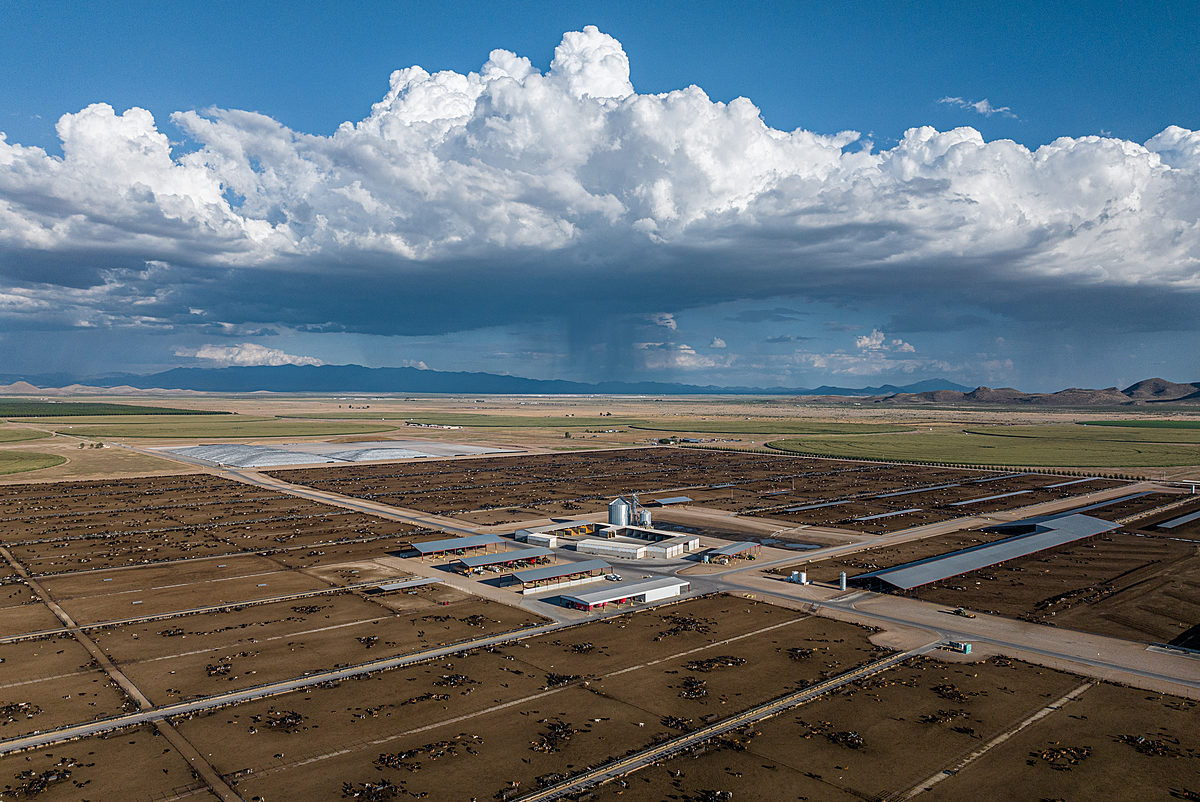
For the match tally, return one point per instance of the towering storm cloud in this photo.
(467, 200)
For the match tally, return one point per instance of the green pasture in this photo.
(20, 461)
(23, 408)
(1048, 449)
(1145, 424)
(1091, 434)
(466, 419)
(15, 435)
(781, 426)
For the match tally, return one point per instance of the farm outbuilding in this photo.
(457, 545)
(741, 550)
(612, 548)
(647, 590)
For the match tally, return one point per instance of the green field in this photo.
(225, 428)
(1050, 449)
(20, 461)
(1145, 424)
(22, 408)
(483, 420)
(15, 435)
(770, 427)
(1090, 434)
(150, 420)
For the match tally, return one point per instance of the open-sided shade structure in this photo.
(456, 544)
(1047, 533)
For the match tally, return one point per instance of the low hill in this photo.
(1149, 391)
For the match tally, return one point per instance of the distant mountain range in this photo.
(331, 379)
(1147, 391)
(357, 379)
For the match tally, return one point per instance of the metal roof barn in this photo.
(642, 591)
(529, 575)
(456, 544)
(1048, 534)
(663, 502)
(481, 560)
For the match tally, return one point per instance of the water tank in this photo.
(842, 581)
(618, 512)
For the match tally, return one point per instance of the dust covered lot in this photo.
(200, 655)
(551, 704)
(887, 734)
(505, 489)
(54, 528)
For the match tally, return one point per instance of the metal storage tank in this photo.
(643, 518)
(618, 512)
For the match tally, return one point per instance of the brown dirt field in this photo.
(143, 578)
(792, 756)
(121, 604)
(51, 656)
(1188, 531)
(500, 490)
(565, 483)
(135, 764)
(1118, 584)
(1100, 720)
(58, 528)
(33, 617)
(57, 701)
(216, 652)
(612, 713)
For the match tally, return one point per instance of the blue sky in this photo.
(566, 221)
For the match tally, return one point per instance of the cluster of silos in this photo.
(628, 513)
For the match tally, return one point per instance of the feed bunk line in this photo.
(653, 754)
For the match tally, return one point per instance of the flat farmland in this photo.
(209, 653)
(505, 489)
(1143, 588)
(134, 764)
(88, 525)
(1125, 744)
(184, 596)
(22, 611)
(51, 682)
(860, 743)
(1037, 446)
(893, 510)
(537, 708)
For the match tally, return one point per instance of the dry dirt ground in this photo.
(546, 706)
(1130, 586)
(858, 744)
(501, 490)
(53, 528)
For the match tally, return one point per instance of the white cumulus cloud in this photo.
(510, 190)
(246, 354)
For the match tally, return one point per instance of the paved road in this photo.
(653, 754)
(1070, 650)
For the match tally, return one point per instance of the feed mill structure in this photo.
(622, 512)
